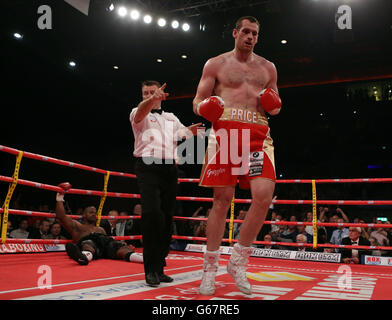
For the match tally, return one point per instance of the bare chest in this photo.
(236, 75)
(85, 230)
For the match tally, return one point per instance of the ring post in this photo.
(231, 220)
(314, 214)
(7, 201)
(103, 198)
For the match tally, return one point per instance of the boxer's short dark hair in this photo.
(238, 24)
(151, 83)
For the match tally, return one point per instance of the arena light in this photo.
(161, 22)
(283, 42)
(111, 7)
(175, 24)
(18, 36)
(159, 60)
(184, 56)
(115, 67)
(186, 27)
(135, 14)
(147, 19)
(122, 11)
(72, 64)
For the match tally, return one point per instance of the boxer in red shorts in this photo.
(236, 90)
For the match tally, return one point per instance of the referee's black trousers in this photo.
(158, 190)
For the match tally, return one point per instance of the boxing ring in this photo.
(46, 275)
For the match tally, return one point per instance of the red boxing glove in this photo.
(65, 186)
(211, 108)
(270, 101)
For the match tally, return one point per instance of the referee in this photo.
(156, 134)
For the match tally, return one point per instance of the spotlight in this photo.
(283, 42)
(185, 27)
(184, 56)
(147, 19)
(159, 60)
(122, 11)
(161, 22)
(115, 67)
(135, 14)
(18, 36)
(111, 7)
(175, 24)
(72, 64)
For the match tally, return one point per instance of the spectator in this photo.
(309, 218)
(301, 238)
(109, 224)
(276, 235)
(55, 232)
(42, 232)
(124, 226)
(201, 231)
(237, 225)
(365, 230)
(135, 229)
(267, 238)
(194, 224)
(344, 216)
(34, 223)
(354, 238)
(293, 218)
(301, 230)
(389, 236)
(381, 235)
(275, 217)
(373, 242)
(333, 219)
(323, 218)
(9, 227)
(281, 236)
(21, 232)
(290, 233)
(329, 250)
(339, 233)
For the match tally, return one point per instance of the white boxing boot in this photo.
(210, 267)
(236, 267)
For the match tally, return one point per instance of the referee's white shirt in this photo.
(156, 135)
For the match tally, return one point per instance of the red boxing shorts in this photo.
(239, 148)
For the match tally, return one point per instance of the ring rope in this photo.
(129, 175)
(175, 237)
(288, 223)
(182, 198)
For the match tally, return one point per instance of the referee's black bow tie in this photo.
(156, 111)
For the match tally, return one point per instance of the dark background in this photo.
(82, 114)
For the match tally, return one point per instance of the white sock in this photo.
(136, 257)
(88, 254)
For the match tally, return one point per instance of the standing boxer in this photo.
(245, 88)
